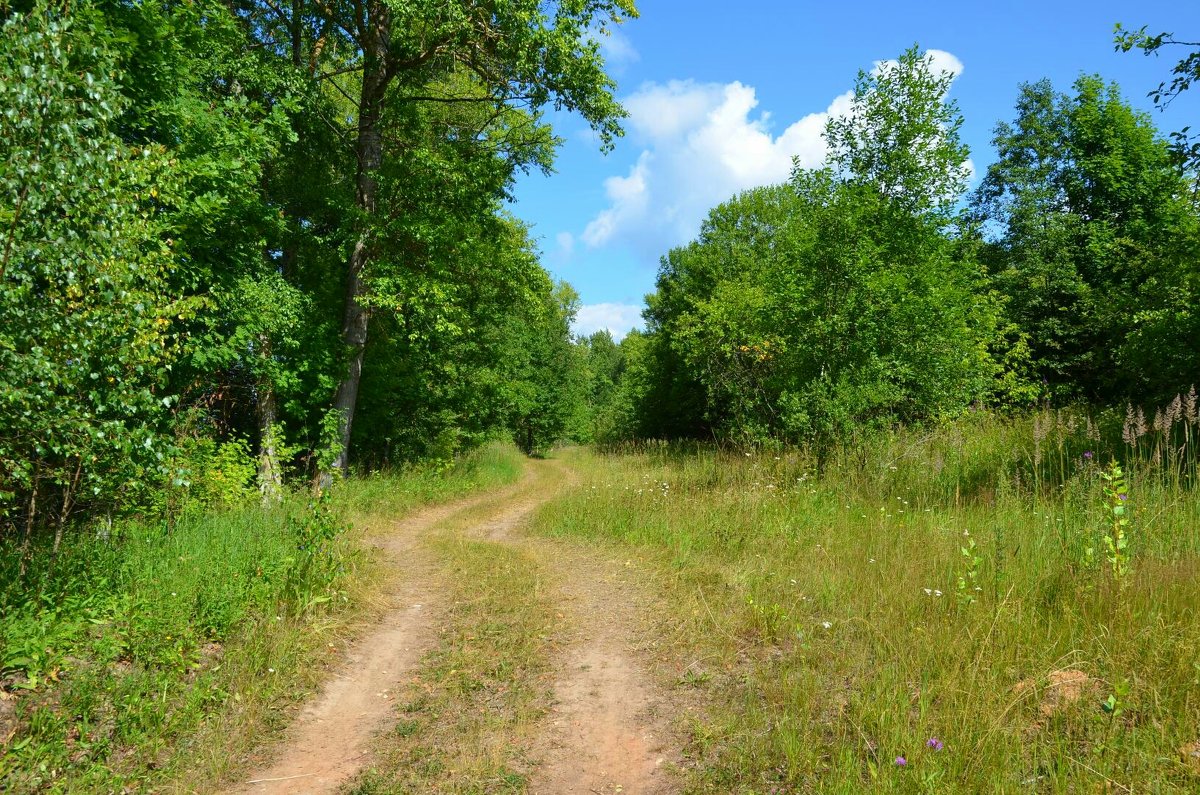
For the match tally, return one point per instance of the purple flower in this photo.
(935, 744)
(1122, 496)
(901, 761)
(1088, 455)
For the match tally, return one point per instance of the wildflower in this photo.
(1122, 496)
(928, 591)
(901, 761)
(935, 744)
(826, 625)
(1087, 455)
(937, 593)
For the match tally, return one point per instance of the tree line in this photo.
(248, 241)
(877, 290)
(274, 231)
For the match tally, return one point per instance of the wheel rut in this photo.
(609, 727)
(328, 742)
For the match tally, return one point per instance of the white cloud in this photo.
(942, 61)
(617, 318)
(702, 144)
(565, 242)
(938, 60)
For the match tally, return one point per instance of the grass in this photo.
(843, 621)
(156, 658)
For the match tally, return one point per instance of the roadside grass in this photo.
(148, 657)
(478, 696)
(924, 615)
(397, 493)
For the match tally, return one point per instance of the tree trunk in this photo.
(369, 151)
(30, 515)
(270, 477)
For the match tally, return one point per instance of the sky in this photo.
(722, 97)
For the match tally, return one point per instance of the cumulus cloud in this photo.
(619, 319)
(703, 143)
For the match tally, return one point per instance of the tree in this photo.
(86, 319)
(525, 53)
(548, 379)
(1185, 72)
(901, 135)
(842, 301)
(1095, 247)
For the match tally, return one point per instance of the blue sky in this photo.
(723, 95)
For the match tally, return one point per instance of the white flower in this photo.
(929, 592)
(826, 624)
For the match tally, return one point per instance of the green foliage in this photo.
(86, 317)
(549, 376)
(1096, 234)
(212, 474)
(837, 304)
(1184, 73)
(1116, 497)
(316, 566)
(969, 586)
(900, 136)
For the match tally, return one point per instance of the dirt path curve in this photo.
(609, 729)
(328, 742)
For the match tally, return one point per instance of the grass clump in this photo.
(934, 612)
(479, 694)
(144, 654)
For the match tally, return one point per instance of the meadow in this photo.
(978, 607)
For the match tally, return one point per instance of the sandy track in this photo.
(328, 742)
(608, 730)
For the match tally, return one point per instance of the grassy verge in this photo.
(398, 493)
(925, 616)
(155, 657)
(480, 693)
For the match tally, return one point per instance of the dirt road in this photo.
(608, 730)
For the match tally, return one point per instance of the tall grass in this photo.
(144, 654)
(932, 612)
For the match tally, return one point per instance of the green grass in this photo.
(479, 695)
(399, 492)
(824, 618)
(156, 657)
